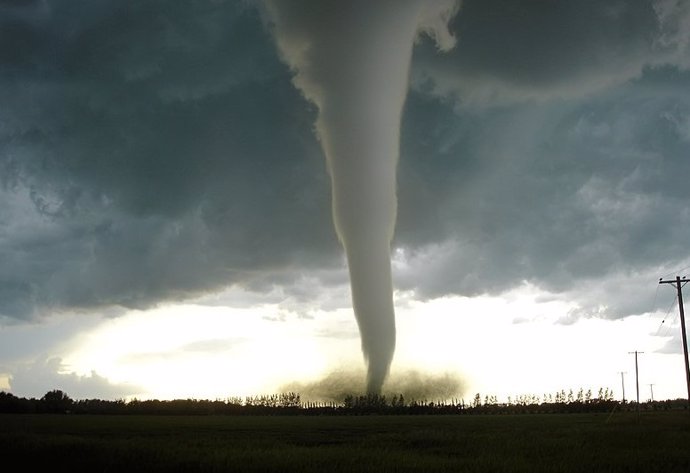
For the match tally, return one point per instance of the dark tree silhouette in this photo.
(56, 401)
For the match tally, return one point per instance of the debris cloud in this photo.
(413, 385)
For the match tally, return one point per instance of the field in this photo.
(656, 442)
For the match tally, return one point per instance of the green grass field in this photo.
(659, 442)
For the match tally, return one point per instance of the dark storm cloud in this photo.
(563, 195)
(550, 149)
(147, 151)
(158, 150)
(513, 50)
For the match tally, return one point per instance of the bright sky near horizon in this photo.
(165, 206)
(504, 346)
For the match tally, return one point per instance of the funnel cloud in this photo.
(352, 60)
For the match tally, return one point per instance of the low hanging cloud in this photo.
(48, 374)
(156, 151)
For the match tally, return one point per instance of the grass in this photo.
(659, 442)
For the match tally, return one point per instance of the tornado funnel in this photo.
(352, 59)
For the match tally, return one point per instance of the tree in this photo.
(608, 395)
(290, 399)
(56, 401)
(398, 401)
(477, 400)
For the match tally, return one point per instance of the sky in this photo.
(165, 203)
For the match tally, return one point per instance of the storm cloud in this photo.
(157, 151)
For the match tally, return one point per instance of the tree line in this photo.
(290, 403)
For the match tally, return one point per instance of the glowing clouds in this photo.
(352, 60)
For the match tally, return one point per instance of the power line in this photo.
(682, 270)
(656, 294)
(661, 325)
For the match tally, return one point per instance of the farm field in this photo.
(658, 442)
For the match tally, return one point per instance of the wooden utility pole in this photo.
(651, 391)
(679, 283)
(637, 377)
(623, 383)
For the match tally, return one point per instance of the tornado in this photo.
(352, 59)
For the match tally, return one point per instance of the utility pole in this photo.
(651, 391)
(677, 282)
(637, 377)
(623, 383)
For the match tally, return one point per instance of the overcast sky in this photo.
(154, 153)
